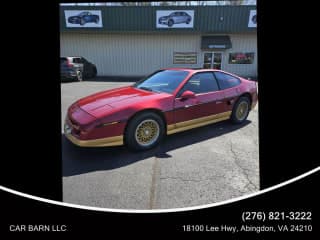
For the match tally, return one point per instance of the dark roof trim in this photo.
(215, 42)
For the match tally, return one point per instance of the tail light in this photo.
(69, 64)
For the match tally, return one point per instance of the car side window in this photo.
(200, 83)
(76, 60)
(226, 81)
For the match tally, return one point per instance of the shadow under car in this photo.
(78, 160)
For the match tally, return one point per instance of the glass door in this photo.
(212, 60)
(217, 59)
(207, 60)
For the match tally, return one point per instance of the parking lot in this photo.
(200, 166)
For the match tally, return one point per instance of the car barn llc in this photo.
(37, 228)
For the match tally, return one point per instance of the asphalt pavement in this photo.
(200, 166)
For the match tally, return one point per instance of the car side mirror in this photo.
(187, 95)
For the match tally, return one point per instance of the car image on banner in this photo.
(83, 18)
(175, 19)
(252, 19)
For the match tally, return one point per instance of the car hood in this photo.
(101, 103)
(164, 17)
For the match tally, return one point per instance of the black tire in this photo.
(131, 137)
(82, 22)
(170, 23)
(188, 21)
(97, 20)
(240, 110)
(79, 76)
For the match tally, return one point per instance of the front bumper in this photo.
(163, 21)
(74, 21)
(100, 142)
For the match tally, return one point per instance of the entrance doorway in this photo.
(212, 60)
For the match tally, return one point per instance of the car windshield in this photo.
(162, 81)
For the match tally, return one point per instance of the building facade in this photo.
(136, 41)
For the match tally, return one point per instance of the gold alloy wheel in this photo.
(242, 110)
(147, 132)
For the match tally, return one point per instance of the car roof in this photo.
(71, 57)
(192, 70)
(197, 70)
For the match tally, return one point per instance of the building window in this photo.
(241, 58)
(184, 58)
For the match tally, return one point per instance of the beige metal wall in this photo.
(129, 54)
(242, 43)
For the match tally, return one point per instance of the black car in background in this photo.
(174, 18)
(83, 18)
(76, 68)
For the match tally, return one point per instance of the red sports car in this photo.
(166, 102)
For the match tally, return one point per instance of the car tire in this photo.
(170, 23)
(144, 131)
(188, 21)
(82, 22)
(240, 110)
(79, 76)
(96, 21)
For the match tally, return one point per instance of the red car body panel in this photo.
(203, 105)
(105, 114)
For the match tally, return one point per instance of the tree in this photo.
(136, 4)
(236, 2)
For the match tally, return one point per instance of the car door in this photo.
(87, 17)
(175, 17)
(230, 86)
(180, 17)
(208, 101)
